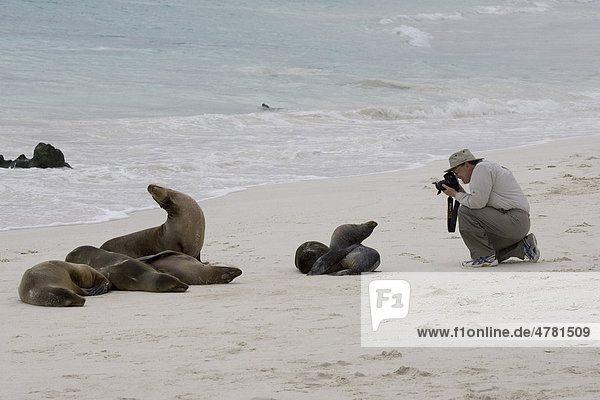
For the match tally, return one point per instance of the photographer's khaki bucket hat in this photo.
(461, 157)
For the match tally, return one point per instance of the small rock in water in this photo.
(44, 156)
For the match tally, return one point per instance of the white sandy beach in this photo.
(274, 333)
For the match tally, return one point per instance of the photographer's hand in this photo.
(449, 191)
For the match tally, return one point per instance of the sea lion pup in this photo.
(190, 270)
(308, 253)
(345, 239)
(359, 259)
(124, 272)
(61, 284)
(183, 231)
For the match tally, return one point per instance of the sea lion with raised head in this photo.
(124, 272)
(183, 231)
(190, 270)
(344, 240)
(61, 284)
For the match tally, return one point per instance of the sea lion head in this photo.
(64, 298)
(160, 194)
(349, 234)
(162, 282)
(174, 202)
(227, 274)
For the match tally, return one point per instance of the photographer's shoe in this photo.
(488, 261)
(532, 254)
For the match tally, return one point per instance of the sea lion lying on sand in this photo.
(61, 284)
(190, 270)
(124, 272)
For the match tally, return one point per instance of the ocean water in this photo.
(170, 92)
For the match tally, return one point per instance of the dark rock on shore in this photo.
(44, 156)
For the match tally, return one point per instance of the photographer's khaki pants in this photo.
(488, 231)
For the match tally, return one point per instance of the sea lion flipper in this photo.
(345, 272)
(153, 257)
(321, 265)
(101, 288)
(330, 259)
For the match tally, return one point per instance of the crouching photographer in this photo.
(494, 218)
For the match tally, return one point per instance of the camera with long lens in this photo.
(452, 211)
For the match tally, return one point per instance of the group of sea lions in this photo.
(166, 258)
(345, 254)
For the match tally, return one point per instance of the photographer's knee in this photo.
(466, 218)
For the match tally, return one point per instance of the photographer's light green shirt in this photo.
(493, 185)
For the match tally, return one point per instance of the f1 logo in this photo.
(389, 299)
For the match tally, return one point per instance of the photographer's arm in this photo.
(480, 187)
